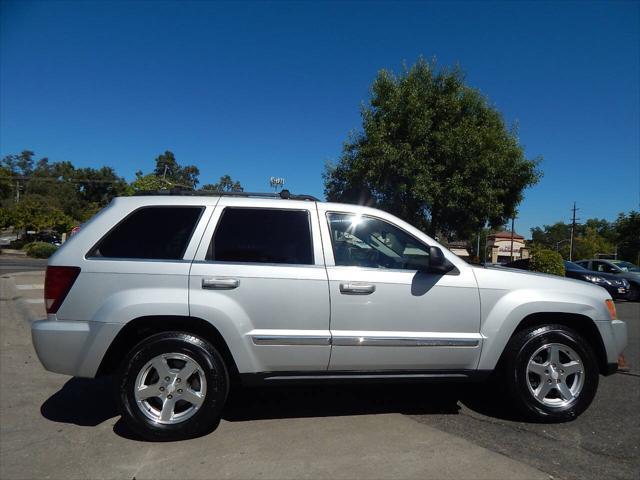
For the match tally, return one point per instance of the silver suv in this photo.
(178, 296)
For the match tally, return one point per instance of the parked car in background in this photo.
(49, 237)
(617, 287)
(619, 268)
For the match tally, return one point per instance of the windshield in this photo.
(573, 266)
(626, 266)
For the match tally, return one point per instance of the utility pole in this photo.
(513, 219)
(17, 191)
(573, 230)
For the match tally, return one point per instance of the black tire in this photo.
(634, 293)
(204, 417)
(520, 350)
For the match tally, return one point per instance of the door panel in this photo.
(393, 318)
(277, 312)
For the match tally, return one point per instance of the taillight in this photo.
(57, 283)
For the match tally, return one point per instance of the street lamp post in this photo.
(561, 241)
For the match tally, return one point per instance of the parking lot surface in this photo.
(53, 426)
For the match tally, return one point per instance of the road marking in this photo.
(33, 300)
(34, 286)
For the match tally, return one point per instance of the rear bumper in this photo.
(614, 339)
(70, 347)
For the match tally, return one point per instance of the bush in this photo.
(40, 249)
(546, 261)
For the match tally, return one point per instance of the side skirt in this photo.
(346, 377)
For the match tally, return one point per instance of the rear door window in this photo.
(161, 233)
(260, 235)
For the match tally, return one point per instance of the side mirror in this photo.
(437, 262)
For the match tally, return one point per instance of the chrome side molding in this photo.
(364, 341)
(403, 342)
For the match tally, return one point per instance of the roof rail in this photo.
(284, 194)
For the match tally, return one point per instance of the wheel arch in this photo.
(581, 324)
(140, 328)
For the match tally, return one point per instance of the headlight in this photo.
(596, 279)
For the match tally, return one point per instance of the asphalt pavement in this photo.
(54, 426)
(21, 263)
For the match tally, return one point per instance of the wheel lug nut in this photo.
(169, 396)
(549, 381)
(166, 379)
(178, 380)
(162, 389)
(179, 390)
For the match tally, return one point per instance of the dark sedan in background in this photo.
(617, 287)
(620, 269)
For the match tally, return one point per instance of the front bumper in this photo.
(72, 347)
(614, 339)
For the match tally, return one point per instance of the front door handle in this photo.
(220, 283)
(357, 288)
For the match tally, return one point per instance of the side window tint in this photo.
(263, 236)
(369, 242)
(161, 233)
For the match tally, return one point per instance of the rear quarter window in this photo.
(161, 233)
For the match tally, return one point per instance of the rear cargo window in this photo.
(161, 233)
(262, 236)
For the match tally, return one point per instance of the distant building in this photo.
(460, 248)
(499, 244)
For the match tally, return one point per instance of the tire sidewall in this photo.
(518, 383)
(215, 373)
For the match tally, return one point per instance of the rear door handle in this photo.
(357, 288)
(220, 283)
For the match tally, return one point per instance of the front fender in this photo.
(502, 313)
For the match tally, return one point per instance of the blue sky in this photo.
(273, 88)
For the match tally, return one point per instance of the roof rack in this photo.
(284, 194)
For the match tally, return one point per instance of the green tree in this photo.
(37, 213)
(6, 184)
(434, 152)
(169, 169)
(148, 182)
(627, 236)
(590, 243)
(225, 184)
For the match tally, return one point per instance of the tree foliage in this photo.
(37, 213)
(434, 152)
(594, 237)
(546, 261)
(58, 195)
(169, 169)
(225, 184)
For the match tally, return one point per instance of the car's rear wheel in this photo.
(552, 373)
(172, 386)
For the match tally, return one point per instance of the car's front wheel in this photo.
(172, 386)
(552, 373)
